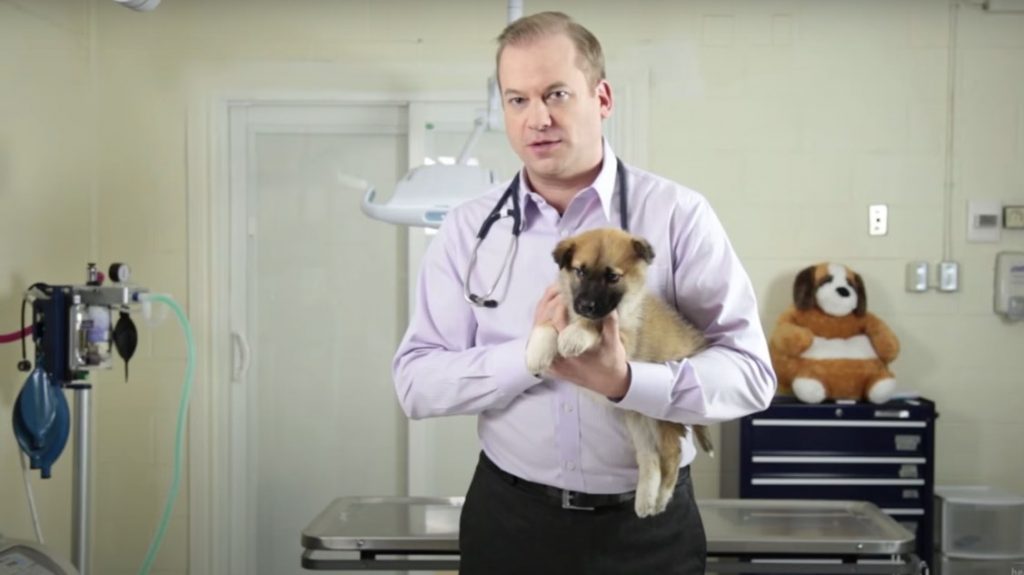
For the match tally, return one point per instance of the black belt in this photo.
(565, 498)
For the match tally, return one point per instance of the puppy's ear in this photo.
(862, 296)
(563, 253)
(643, 249)
(803, 289)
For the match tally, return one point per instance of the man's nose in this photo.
(540, 118)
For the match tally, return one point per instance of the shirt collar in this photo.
(603, 185)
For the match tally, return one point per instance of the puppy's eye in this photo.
(612, 277)
(579, 272)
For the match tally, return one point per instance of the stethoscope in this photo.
(499, 211)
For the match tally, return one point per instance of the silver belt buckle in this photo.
(568, 504)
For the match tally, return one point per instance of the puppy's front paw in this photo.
(541, 349)
(576, 339)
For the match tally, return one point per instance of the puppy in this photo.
(605, 270)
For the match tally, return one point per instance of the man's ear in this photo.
(563, 253)
(643, 249)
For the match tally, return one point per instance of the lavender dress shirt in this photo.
(457, 358)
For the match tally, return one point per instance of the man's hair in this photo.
(589, 57)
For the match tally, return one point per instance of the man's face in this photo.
(552, 112)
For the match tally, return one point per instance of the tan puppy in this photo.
(602, 271)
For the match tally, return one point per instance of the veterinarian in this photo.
(552, 492)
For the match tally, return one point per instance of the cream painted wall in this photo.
(47, 230)
(790, 116)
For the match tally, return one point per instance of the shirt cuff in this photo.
(507, 364)
(651, 388)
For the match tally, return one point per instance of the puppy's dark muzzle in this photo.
(590, 309)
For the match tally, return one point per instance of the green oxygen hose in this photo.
(190, 371)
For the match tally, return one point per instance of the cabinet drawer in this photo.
(849, 437)
(890, 493)
(839, 466)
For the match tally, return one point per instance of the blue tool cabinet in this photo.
(884, 454)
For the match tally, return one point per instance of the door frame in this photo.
(208, 173)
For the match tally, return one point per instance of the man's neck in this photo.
(559, 192)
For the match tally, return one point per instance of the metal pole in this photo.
(80, 500)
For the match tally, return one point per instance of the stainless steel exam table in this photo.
(743, 536)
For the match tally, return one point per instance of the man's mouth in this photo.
(544, 145)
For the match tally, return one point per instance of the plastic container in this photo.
(978, 522)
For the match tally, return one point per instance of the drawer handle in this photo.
(834, 423)
(781, 481)
(893, 413)
(838, 459)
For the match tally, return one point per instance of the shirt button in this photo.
(564, 233)
(567, 408)
(571, 465)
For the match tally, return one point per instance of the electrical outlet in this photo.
(1013, 217)
(878, 219)
(949, 276)
(916, 279)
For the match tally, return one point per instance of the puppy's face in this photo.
(834, 288)
(600, 267)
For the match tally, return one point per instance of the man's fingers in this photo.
(560, 316)
(610, 325)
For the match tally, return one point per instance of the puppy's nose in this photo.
(843, 292)
(586, 306)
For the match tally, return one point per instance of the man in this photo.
(552, 491)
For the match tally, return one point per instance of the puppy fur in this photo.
(605, 270)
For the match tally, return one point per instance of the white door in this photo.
(317, 297)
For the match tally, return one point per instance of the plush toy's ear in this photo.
(862, 296)
(563, 253)
(803, 289)
(643, 249)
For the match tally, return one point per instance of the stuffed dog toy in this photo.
(828, 346)
(605, 270)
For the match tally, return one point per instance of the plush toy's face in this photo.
(835, 289)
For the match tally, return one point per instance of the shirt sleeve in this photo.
(438, 369)
(732, 376)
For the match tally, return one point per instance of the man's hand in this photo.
(551, 310)
(603, 369)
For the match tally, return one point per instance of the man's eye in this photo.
(516, 101)
(558, 95)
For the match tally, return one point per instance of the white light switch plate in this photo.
(878, 219)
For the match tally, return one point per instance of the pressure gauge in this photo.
(119, 273)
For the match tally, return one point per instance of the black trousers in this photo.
(506, 529)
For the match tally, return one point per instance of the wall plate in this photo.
(983, 220)
(878, 219)
(1013, 217)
